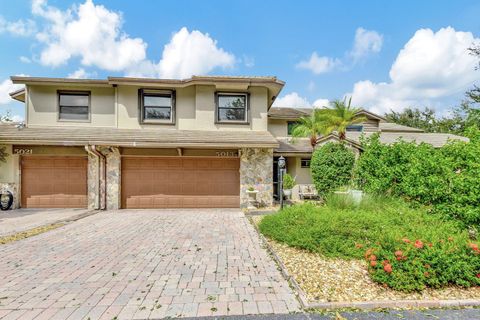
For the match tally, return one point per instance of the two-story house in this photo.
(141, 143)
(155, 143)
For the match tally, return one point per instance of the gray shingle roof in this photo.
(300, 145)
(393, 127)
(435, 139)
(288, 113)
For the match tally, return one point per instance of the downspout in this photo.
(97, 178)
(103, 177)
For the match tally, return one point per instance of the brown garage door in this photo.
(54, 182)
(163, 182)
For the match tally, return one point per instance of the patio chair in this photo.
(307, 191)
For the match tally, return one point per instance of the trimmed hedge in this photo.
(331, 167)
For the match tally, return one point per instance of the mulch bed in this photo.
(337, 280)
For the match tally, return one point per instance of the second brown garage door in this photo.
(163, 182)
(54, 182)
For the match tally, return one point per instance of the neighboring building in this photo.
(153, 143)
(297, 152)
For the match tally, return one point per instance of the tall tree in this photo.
(424, 119)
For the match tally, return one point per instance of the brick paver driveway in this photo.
(143, 264)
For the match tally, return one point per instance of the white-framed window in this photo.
(232, 107)
(305, 163)
(74, 105)
(157, 106)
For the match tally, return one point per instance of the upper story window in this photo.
(157, 106)
(74, 105)
(232, 107)
(355, 127)
(290, 126)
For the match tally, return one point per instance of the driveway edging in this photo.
(365, 305)
(61, 222)
(299, 293)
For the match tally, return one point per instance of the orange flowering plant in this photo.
(413, 266)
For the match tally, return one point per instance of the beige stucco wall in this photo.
(42, 107)
(7, 168)
(278, 128)
(301, 175)
(195, 110)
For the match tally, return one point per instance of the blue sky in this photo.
(388, 55)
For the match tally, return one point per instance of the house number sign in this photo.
(22, 151)
(227, 154)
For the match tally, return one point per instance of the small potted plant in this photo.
(288, 184)
(252, 193)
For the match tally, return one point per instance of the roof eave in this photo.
(18, 95)
(57, 81)
(137, 144)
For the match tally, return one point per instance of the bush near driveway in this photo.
(378, 230)
(331, 167)
(447, 179)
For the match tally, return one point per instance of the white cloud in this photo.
(192, 53)
(365, 43)
(292, 100)
(320, 103)
(94, 34)
(91, 32)
(319, 64)
(6, 86)
(25, 59)
(81, 74)
(431, 66)
(20, 27)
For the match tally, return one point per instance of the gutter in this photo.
(102, 185)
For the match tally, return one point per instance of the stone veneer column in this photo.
(256, 170)
(12, 187)
(113, 177)
(92, 182)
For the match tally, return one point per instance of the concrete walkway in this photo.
(143, 264)
(13, 221)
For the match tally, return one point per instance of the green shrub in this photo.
(340, 229)
(288, 182)
(331, 167)
(446, 179)
(415, 264)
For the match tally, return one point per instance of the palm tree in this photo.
(327, 120)
(311, 126)
(340, 116)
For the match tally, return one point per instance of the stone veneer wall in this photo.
(113, 176)
(112, 155)
(92, 182)
(256, 170)
(12, 187)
